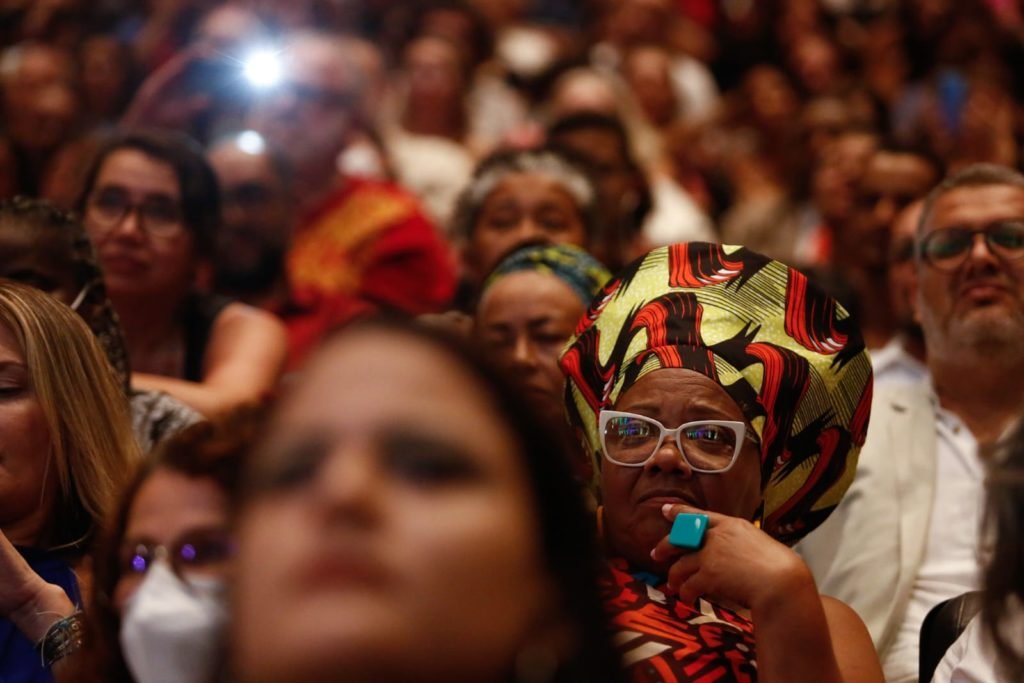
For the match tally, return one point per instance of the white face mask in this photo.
(172, 632)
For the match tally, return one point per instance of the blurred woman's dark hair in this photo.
(212, 450)
(1003, 595)
(197, 183)
(566, 531)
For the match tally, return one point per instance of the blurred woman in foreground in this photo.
(407, 519)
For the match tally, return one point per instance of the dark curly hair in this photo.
(38, 219)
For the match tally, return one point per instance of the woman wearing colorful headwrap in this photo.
(527, 312)
(709, 380)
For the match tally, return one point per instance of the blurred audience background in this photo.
(216, 185)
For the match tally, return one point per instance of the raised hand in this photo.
(738, 563)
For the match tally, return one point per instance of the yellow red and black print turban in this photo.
(787, 353)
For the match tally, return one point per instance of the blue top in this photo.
(19, 660)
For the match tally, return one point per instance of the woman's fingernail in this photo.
(666, 508)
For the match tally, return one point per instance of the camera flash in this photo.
(263, 68)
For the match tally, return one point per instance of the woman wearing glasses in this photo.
(151, 206)
(159, 604)
(712, 385)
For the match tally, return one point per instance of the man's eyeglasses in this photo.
(158, 216)
(947, 249)
(203, 552)
(710, 446)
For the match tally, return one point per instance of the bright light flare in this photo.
(251, 142)
(263, 68)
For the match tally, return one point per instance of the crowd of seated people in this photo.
(475, 340)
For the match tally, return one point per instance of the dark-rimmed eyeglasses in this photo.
(710, 446)
(947, 249)
(158, 216)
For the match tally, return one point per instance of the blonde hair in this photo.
(85, 408)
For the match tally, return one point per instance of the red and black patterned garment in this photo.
(663, 639)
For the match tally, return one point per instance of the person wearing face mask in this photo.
(160, 570)
(48, 249)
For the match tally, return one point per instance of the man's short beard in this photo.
(252, 281)
(997, 341)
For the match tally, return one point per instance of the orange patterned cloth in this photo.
(370, 242)
(660, 638)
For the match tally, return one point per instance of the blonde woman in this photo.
(66, 444)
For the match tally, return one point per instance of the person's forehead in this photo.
(46, 247)
(648, 60)
(316, 62)
(598, 144)
(369, 380)
(10, 350)
(851, 149)
(533, 289)
(682, 385)
(532, 187)
(905, 225)
(169, 503)
(44, 62)
(977, 205)
(137, 171)
(888, 173)
(824, 112)
(432, 50)
(40, 261)
(233, 165)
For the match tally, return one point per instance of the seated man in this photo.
(357, 242)
(906, 535)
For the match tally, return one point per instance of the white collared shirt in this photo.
(951, 564)
(972, 657)
(891, 364)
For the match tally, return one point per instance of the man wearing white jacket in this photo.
(906, 536)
